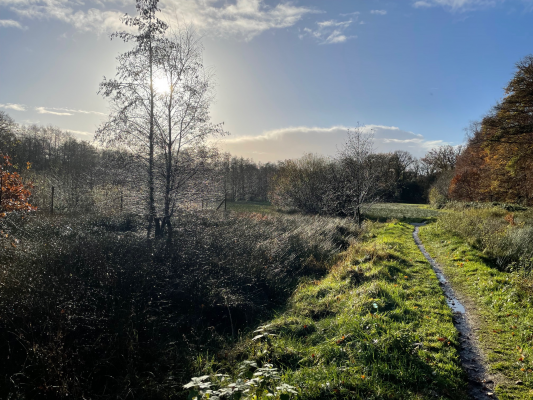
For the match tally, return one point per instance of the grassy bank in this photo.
(376, 327)
(504, 233)
(499, 301)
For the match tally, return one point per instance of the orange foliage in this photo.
(497, 164)
(14, 194)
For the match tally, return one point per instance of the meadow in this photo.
(256, 302)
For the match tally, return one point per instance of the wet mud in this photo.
(480, 382)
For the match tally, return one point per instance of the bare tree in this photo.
(442, 158)
(358, 175)
(132, 93)
(184, 94)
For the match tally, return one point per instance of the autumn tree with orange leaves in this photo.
(14, 193)
(497, 164)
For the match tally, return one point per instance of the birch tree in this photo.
(132, 94)
(184, 94)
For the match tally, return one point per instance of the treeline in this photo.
(497, 164)
(84, 177)
(345, 185)
(87, 178)
(246, 180)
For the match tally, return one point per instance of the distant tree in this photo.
(302, 184)
(7, 133)
(359, 174)
(442, 158)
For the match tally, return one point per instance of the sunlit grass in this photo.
(501, 302)
(376, 327)
(401, 211)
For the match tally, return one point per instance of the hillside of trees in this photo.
(497, 164)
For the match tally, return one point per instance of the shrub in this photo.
(505, 237)
(89, 309)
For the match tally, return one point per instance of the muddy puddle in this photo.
(480, 383)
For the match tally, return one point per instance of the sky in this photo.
(291, 76)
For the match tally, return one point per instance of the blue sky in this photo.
(291, 76)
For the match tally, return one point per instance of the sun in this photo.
(161, 85)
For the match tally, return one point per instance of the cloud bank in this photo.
(242, 18)
(286, 143)
(64, 111)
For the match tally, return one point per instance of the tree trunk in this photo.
(151, 201)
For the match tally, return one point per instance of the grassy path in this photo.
(376, 327)
(500, 308)
(473, 360)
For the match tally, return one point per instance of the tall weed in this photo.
(506, 237)
(90, 309)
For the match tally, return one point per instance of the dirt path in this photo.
(480, 383)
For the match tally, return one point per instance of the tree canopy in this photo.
(497, 164)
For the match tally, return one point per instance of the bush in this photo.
(89, 309)
(506, 237)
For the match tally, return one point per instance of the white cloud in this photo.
(378, 12)
(64, 111)
(9, 23)
(352, 13)
(421, 4)
(329, 32)
(286, 143)
(11, 106)
(74, 111)
(242, 18)
(42, 110)
(68, 11)
(456, 5)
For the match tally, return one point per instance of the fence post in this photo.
(52, 205)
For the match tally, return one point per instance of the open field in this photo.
(400, 211)
(315, 307)
(377, 212)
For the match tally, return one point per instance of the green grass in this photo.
(261, 207)
(376, 327)
(502, 303)
(402, 212)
